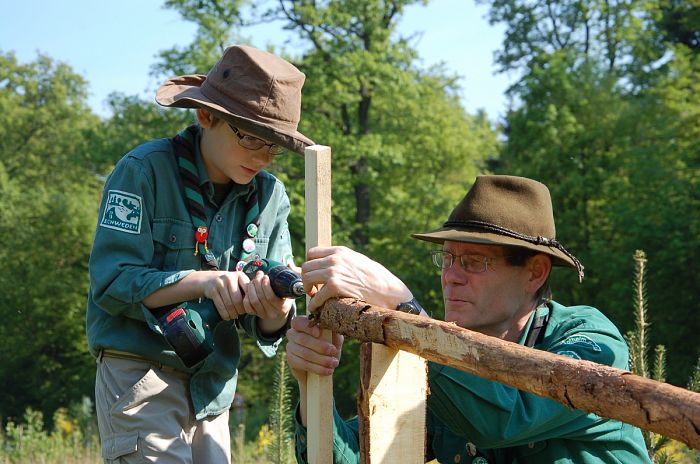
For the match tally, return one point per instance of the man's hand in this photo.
(342, 272)
(307, 352)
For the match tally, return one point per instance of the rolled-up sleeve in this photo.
(121, 275)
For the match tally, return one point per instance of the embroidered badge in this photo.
(122, 212)
(570, 354)
(582, 340)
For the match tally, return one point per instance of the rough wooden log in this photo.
(606, 391)
(391, 405)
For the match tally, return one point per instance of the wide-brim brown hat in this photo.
(506, 211)
(252, 89)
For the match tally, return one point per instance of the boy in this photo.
(179, 219)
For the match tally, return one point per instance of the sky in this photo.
(113, 44)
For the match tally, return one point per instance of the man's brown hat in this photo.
(253, 90)
(509, 211)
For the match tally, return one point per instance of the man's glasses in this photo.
(470, 263)
(254, 143)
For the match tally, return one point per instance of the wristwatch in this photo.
(410, 307)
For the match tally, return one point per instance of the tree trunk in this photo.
(603, 390)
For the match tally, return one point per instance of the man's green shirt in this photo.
(145, 241)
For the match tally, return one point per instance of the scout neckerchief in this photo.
(184, 152)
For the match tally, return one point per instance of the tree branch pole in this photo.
(606, 391)
(319, 392)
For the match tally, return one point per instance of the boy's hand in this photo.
(225, 289)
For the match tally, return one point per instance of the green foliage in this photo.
(217, 23)
(679, 22)
(132, 122)
(694, 382)
(608, 119)
(48, 201)
(638, 346)
(281, 416)
(28, 441)
(638, 340)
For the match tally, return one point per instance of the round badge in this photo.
(480, 460)
(252, 230)
(248, 245)
(240, 265)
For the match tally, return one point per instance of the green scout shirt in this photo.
(473, 420)
(145, 241)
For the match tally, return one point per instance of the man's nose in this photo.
(455, 273)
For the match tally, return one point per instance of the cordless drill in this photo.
(192, 338)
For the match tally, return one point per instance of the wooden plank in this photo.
(603, 390)
(318, 233)
(392, 406)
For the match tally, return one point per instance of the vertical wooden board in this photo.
(392, 407)
(318, 233)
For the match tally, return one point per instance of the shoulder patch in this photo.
(582, 340)
(569, 354)
(122, 212)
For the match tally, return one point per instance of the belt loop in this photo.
(99, 356)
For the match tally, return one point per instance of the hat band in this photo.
(539, 240)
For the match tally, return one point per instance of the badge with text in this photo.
(122, 212)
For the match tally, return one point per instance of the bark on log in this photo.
(606, 391)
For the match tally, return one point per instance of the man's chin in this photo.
(452, 315)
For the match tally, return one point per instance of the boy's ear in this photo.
(204, 118)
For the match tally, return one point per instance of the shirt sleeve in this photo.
(493, 415)
(346, 445)
(121, 275)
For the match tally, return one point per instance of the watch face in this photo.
(411, 307)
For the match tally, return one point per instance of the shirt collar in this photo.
(542, 310)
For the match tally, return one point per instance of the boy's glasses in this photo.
(254, 143)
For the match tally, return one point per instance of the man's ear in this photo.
(204, 118)
(539, 266)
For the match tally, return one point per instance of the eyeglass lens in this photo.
(253, 143)
(470, 263)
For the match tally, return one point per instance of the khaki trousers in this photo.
(144, 414)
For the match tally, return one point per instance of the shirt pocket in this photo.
(173, 244)
(261, 246)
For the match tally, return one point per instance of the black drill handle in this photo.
(284, 282)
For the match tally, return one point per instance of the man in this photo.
(179, 219)
(498, 248)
